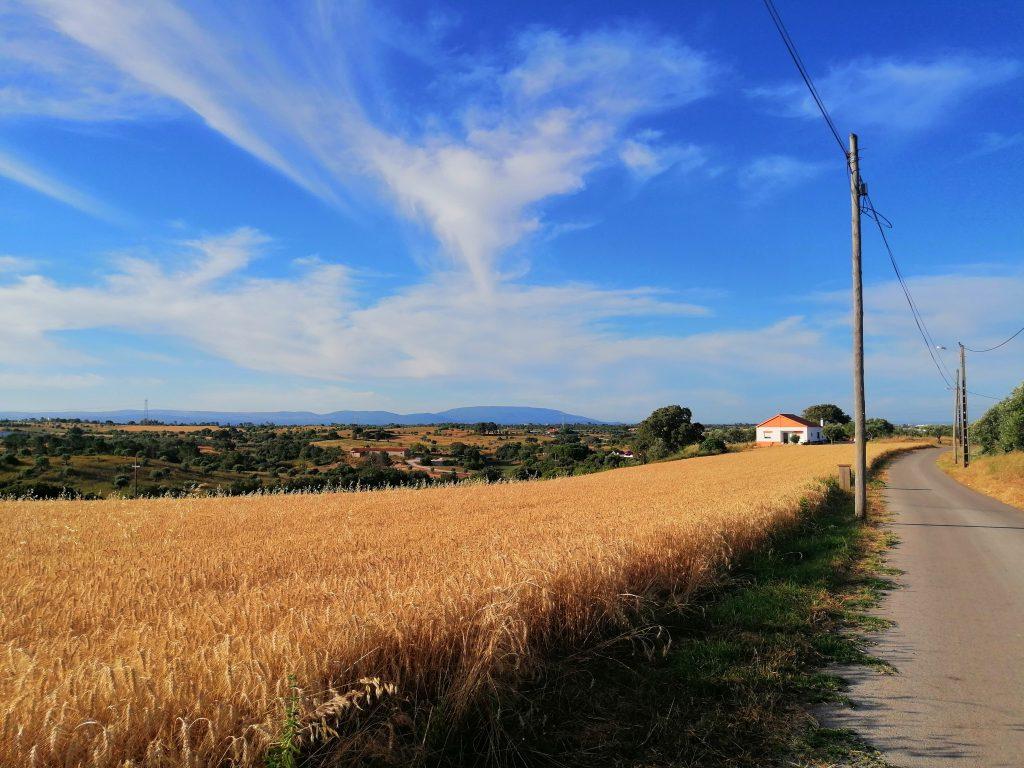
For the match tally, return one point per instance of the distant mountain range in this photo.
(499, 414)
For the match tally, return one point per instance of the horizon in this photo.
(150, 415)
(409, 207)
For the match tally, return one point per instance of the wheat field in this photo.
(162, 632)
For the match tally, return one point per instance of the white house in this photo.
(785, 428)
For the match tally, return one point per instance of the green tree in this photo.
(1001, 429)
(879, 428)
(831, 414)
(834, 433)
(1011, 431)
(666, 431)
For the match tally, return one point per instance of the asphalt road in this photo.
(959, 641)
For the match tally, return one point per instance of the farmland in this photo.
(165, 632)
(50, 458)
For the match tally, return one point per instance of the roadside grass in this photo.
(1000, 476)
(729, 680)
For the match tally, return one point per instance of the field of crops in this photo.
(163, 632)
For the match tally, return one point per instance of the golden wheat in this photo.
(163, 632)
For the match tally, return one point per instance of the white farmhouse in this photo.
(785, 428)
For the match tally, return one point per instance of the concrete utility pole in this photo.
(860, 495)
(956, 419)
(964, 430)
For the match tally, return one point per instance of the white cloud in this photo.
(518, 339)
(312, 325)
(520, 131)
(43, 74)
(767, 175)
(646, 156)
(440, 343)
(892, 92)
(14, 264)
(992, 142)
(19, 171)
(976, 309)
(21, 380)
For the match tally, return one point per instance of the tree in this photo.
(879, 428)
(666, 431)
(834, 432)
(827, 412)
(794, 438)
(1001, 429)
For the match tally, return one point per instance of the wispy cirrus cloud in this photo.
(44, 74)
(767, 175)
(18, 170)
(646, 155)
(992, 142)
(892, 92)
(511, 131)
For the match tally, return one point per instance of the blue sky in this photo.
(600, 207)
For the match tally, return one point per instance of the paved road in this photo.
(959, 645)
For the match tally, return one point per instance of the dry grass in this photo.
(163, 632)
(175, 428)
(1001, 477)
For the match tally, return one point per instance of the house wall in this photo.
(807, 434)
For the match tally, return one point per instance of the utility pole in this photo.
(964, 430)
(135, 467)
(956, 419)
(860, 494)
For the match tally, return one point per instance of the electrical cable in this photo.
(795, 55)
(877, 217)
(922, 327)
(997, 346)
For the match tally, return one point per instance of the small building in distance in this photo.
(783, 428)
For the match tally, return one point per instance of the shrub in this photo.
(712, 445)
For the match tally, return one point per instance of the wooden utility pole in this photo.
(860, 495)
(965, 445)
(956, 419)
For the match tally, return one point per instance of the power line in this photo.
(795, 55)
(878, 218)
(997, 346)
(922, 327)
(987, 397)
